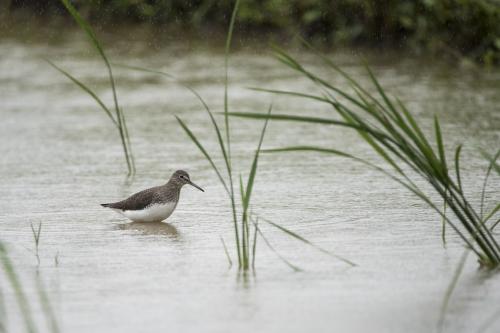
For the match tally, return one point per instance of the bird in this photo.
(154, 204)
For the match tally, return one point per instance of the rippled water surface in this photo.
(61, 157)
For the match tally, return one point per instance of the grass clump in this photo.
(393, 133)
(242, 219)
(246, 250)
(118, 118)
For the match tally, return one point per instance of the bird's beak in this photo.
(193, 184)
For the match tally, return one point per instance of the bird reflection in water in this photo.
(151, 228)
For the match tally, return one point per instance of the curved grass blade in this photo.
(302, 239)
(291, 93)
(203, 150)
(226, 78)
(491, 214)
(450, 289)
(439, 140)
(288, 117)
(410, 186)
(492, 164)
(86, 89)
(253, 169)
(443, 222)
(85, 26)
(119, 116)
(254, 246)
(15, 282)
(227, 252)
(269, 245)
(457, 166)
(198, 96)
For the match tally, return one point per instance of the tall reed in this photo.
(387, 126)
(118, 118)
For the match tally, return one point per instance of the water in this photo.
(61, 157)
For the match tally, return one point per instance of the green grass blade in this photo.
(253, 169)
(457, 167)
(127, 141)
(493, 161)
(226, 77)
(495, 224)
(491, 214)
(226, 251)
(413, 123)
(242, 190)
(291, 93)
(302, 239)
(307, 148)
(271, 247)
(86, 89)
(254, 246)
(492, 164)
(202, 101)
(85, 26)
(443, 223)
(203, 151)
(15, 282)
(440, 145)
(410, 186)
(119, 116)
(287, 117)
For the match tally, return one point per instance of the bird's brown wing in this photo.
(137, 201)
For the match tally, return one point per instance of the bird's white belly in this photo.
(153, 213)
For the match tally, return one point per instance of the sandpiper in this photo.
(154, 204)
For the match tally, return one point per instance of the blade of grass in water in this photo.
(253, 169)
(409, 186)
(87, 90)
(15, 283)
(248, 194)
(202, 101)
(254, 246)
(201, 148)
(226, 76)
(485, 182)
(226, 251)
(450, 289)
(302, 239)
(269, 245)
(119, 114)
(229, 190)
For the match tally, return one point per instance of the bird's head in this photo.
(181, 178)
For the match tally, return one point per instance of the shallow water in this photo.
(61, 157)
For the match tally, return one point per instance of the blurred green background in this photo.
(449, 28)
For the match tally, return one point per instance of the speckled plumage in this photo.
(153, 198)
